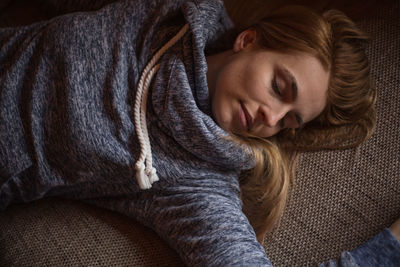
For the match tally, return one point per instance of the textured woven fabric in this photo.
(56, 232)
(342, 198)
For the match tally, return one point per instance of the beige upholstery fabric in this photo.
(56, 232)
(341, 199)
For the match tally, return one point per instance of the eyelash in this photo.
(278, 92)
(275, 87)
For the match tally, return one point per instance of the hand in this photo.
(395, 228)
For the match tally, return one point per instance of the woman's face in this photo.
(261, 92)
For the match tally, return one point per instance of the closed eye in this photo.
(275, 87)
(276, 90)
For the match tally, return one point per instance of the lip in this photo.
(247, 116)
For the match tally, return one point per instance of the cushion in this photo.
(58, 232)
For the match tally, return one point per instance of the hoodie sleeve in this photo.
(207, 229)
(205, 226)
(381, 250)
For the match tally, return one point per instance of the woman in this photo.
(84, 109)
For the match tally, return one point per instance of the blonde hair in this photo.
(347, 120)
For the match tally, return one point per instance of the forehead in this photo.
(311, 79)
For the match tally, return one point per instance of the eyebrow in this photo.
(294, 94)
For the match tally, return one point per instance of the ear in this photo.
(244, 40)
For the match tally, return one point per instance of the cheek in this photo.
(224, 96)
(228, 92)
(256, 86)
(231, 78)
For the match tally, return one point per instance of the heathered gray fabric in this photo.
(381, 250)
(66, 118)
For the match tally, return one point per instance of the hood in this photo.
(180, 96)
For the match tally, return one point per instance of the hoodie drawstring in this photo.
(145, 172)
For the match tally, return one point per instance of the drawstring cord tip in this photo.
(152, 174)
(142, 178)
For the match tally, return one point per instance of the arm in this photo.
(207, 229)
(381, 250)
(204, 226)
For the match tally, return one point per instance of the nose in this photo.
(271, 116)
